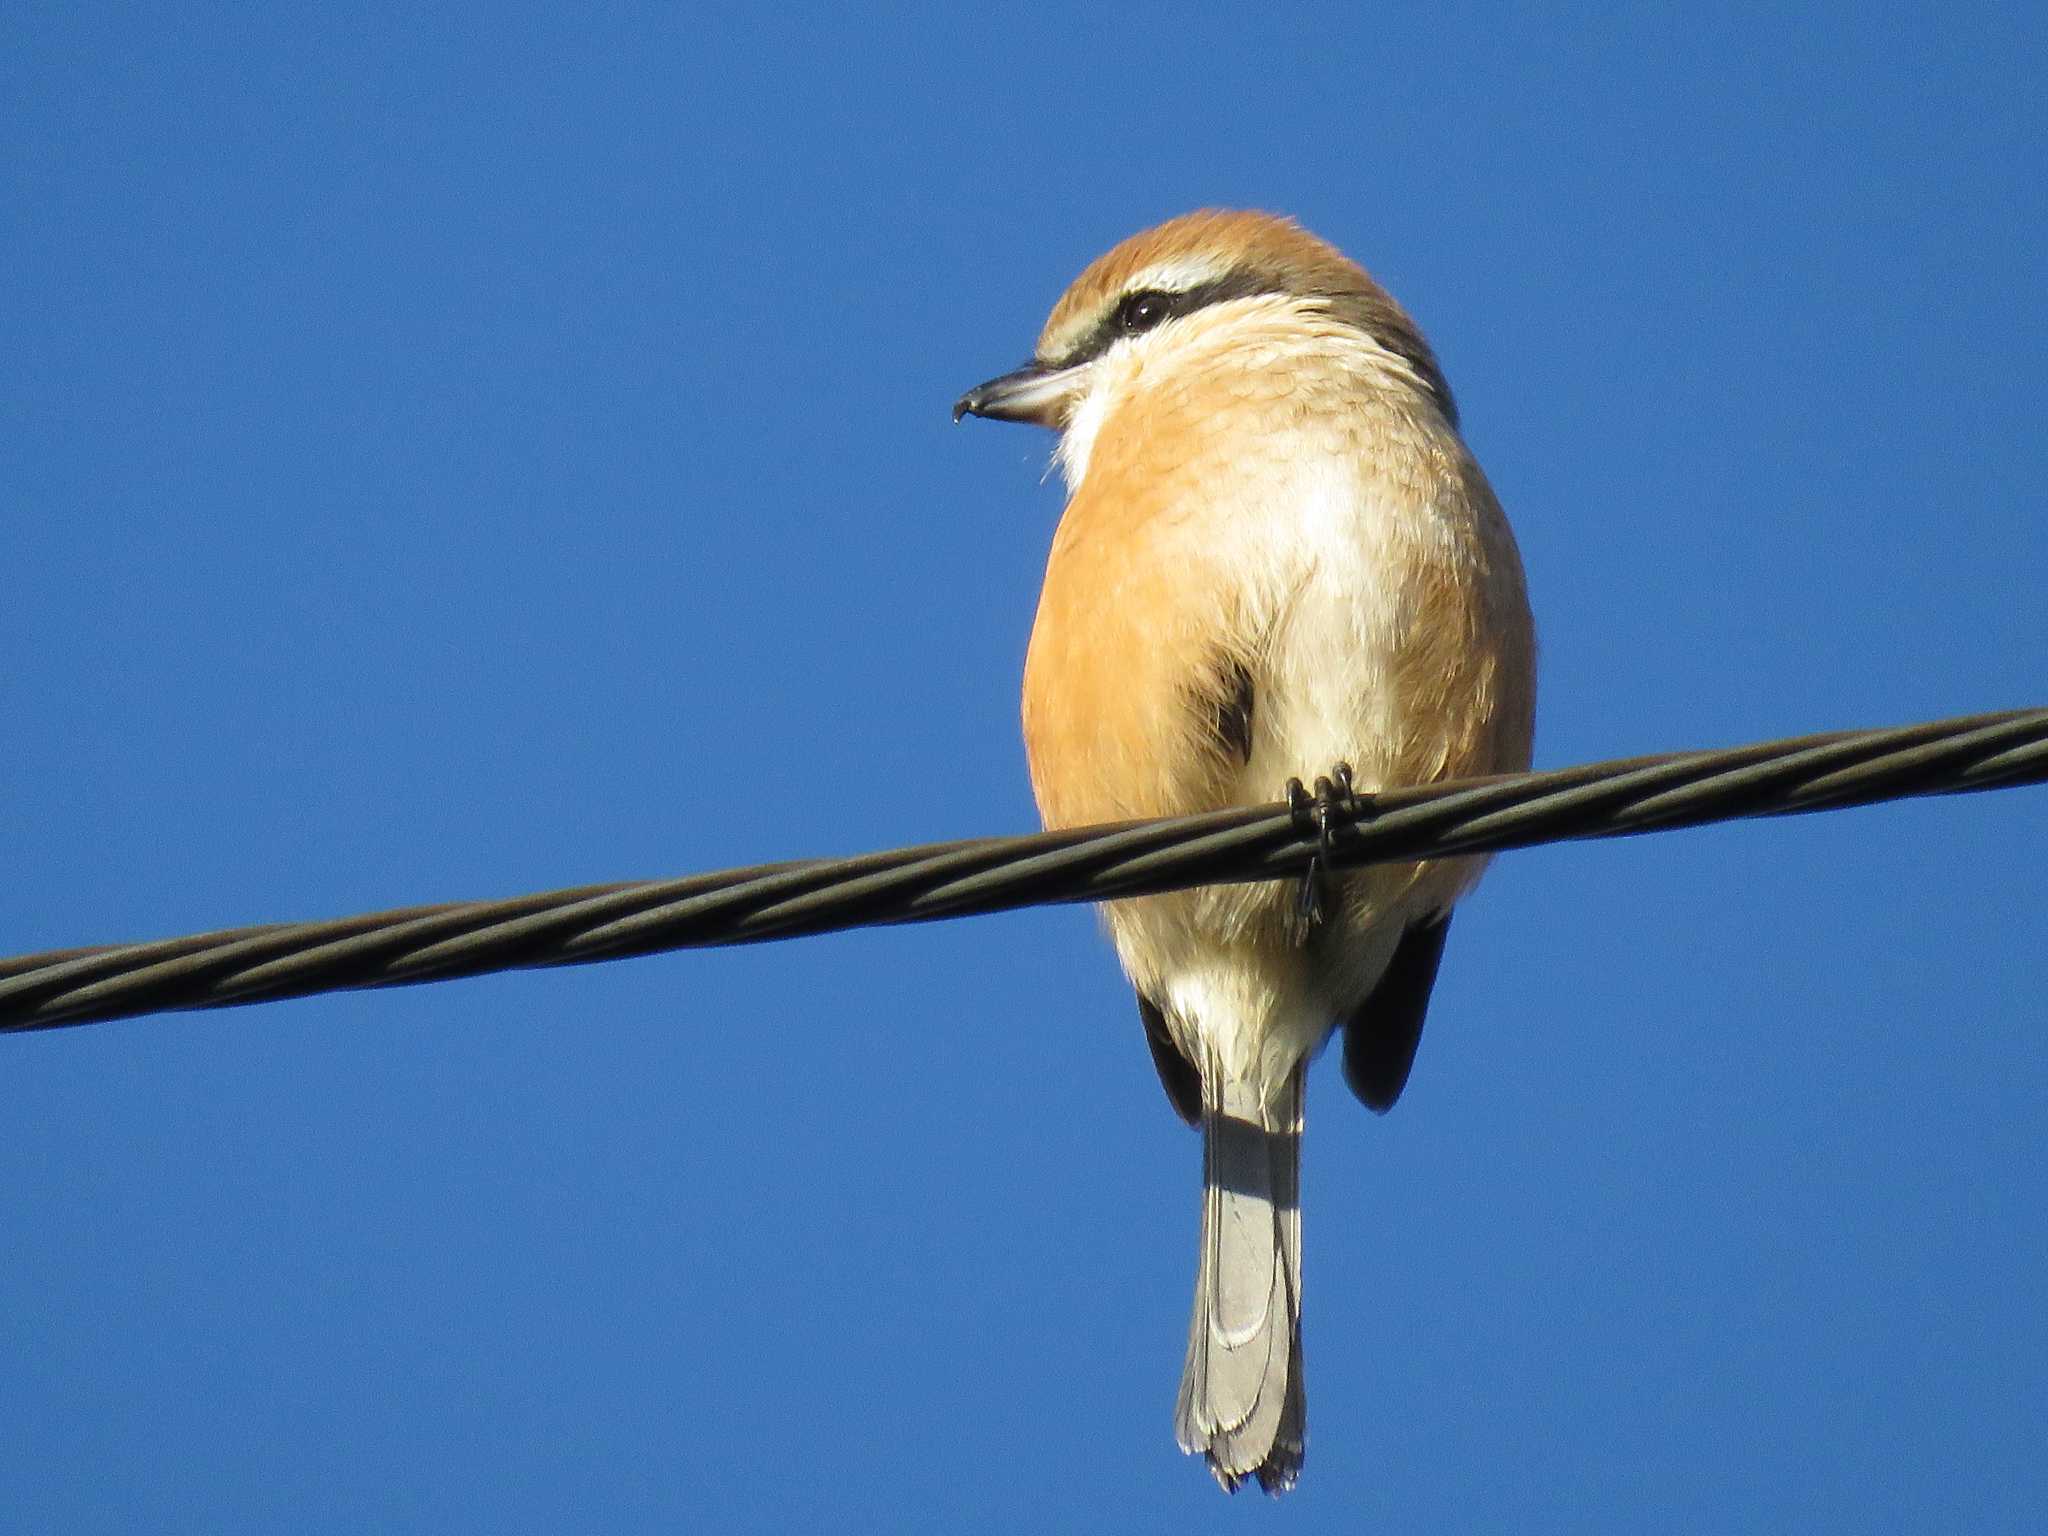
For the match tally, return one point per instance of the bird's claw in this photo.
(1315, 813)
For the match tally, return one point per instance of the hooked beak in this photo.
(1038, 393)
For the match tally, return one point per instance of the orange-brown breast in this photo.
(1134, 637)
(1157, 587)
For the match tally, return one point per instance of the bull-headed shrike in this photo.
(1278, 556)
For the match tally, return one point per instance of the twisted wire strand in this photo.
(413, 945)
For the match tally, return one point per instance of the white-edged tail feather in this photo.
(1241, 1399)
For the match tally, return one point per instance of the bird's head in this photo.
(1183, 293)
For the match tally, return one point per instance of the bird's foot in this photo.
(1315, 813)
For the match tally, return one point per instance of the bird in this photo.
(1278, 562)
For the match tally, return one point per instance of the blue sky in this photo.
(461, 454)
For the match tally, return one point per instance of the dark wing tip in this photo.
(1381, 1035)
(1177, 1075)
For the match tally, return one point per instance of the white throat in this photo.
(1077, 442)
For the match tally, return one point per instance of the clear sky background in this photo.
(463, 454)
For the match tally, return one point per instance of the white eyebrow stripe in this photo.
(1177, 274)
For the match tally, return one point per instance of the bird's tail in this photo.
(1241, 1398)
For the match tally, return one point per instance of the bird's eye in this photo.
(1142, 310)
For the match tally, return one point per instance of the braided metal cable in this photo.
(923, 884)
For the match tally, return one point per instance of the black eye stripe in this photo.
(1145, 309)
